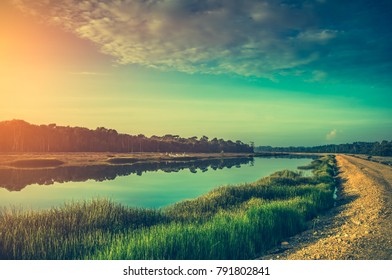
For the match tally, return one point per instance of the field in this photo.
(230, 222)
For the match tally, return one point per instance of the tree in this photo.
(20, 136)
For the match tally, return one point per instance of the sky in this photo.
(276, 72)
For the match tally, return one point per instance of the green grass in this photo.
(231, 222)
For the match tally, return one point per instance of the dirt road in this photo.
(359, 227)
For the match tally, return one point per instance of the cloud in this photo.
(274, 39)
(332, 134)
(317, 76)
(321, 36)
(247, 38)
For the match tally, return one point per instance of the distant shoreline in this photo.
(34, 160)
(47, 159)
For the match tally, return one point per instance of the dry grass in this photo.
(9, 160)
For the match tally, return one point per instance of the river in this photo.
(150, 185)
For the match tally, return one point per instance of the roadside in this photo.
(359, 227)
(379, 159)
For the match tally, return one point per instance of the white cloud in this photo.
(248, 38)
(332, 134)
(321, 36)
(317, 76)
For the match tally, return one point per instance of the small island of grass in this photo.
(36, 163)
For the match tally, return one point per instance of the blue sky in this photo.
(274, 72)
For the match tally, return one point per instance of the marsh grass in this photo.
(36, 163)
(230, 222)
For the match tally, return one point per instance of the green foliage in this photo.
(228, 235)
(230, 222)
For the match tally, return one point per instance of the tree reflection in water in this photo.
(15, 179)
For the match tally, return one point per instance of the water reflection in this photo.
(17, 179)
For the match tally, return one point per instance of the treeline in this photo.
(383, 148)
(20, 136)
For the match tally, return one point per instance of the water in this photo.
(149, 185)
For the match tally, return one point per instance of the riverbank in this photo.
(230, 222)
(359, 227)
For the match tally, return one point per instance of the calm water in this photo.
(141, 186)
